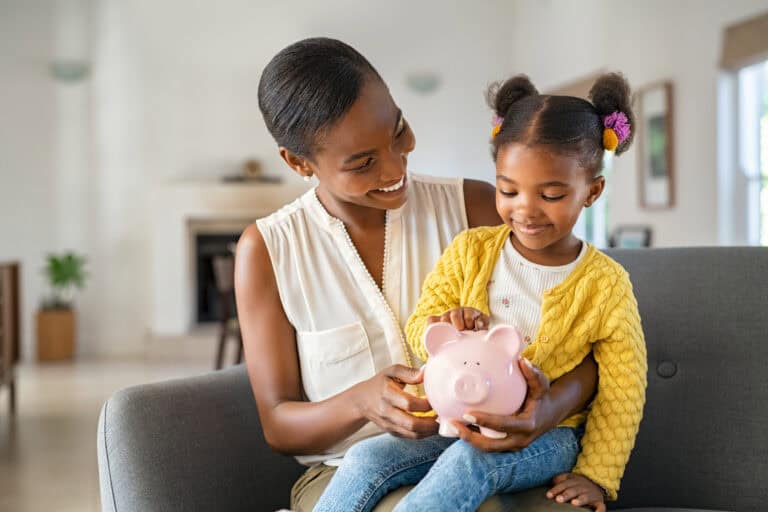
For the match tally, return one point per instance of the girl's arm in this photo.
(565, 397)
(545, 407)
(618, 407)
(440, 293)
(291, 424)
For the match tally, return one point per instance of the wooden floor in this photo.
(48, 452)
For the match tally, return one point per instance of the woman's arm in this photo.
(571, 393)
(291, 424)
(480, 204)
(545, 407)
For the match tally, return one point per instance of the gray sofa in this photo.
(196, 444)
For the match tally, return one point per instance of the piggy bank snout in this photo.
(471, 388)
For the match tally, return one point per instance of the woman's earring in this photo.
(308, 178)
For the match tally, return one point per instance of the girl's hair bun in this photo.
(609, 94)
(501, 96)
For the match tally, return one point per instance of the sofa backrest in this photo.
(703, 441)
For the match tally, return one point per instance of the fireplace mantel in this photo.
(180, 210)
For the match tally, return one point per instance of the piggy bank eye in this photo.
(478, 363)
(465, 363)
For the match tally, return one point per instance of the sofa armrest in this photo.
(189, 444)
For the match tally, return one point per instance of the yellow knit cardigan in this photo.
(593, 309)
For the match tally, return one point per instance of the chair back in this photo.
(224, 272)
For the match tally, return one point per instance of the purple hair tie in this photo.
(619, 123)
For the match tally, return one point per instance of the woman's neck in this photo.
(352, 215)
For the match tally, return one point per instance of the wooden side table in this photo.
(9, 328)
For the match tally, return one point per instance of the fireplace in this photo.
(202, 216)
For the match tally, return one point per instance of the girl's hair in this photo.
(307, 87)
(566, 124)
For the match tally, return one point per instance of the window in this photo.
(752, 130)
(592, 225)
(742, 134)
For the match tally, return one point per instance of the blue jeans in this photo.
(451, 474)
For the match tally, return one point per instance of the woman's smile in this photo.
(394, 190)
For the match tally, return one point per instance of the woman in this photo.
(325, 285)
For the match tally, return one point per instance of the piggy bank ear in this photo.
(438, 335)
(507, 336)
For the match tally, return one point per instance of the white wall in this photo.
(46, 197)
(27, 137)
(556, 42)
(191, 74)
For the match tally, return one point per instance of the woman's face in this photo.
(362, 159)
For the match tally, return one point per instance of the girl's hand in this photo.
(382, 400)
(463, 319)
(535, 417)
(579, 490)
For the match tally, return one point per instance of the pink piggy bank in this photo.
(473, 370)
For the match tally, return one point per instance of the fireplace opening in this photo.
(209, 298)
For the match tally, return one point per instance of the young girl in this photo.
(567, 298)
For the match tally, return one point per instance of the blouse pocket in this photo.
(334, 359)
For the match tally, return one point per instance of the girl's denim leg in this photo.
(463, 477)
(375, 466)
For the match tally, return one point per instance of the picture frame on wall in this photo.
(655, 120)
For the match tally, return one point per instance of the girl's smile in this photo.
(530, 229)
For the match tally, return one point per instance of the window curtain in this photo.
(745, 43)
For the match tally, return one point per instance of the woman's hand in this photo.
(578, 490)
(536, 416)
(463, 319)
(382, 400)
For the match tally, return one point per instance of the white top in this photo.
(517, 286)
(347, 329)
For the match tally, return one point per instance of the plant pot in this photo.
(55, 334)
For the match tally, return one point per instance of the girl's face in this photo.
(362, 159)
(540, 194)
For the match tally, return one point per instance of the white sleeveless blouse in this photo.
(347, 329)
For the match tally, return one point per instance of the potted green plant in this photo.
(56, 324)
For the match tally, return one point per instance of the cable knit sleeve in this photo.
(614, 418)
(441, 292)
